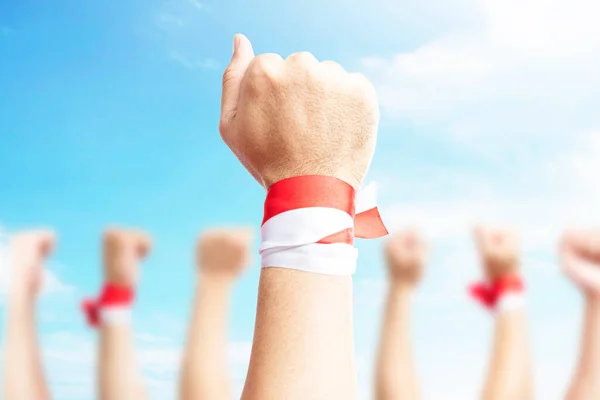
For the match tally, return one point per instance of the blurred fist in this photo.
(498, 250)
(123, 251)
(406, 256)
(28, 252)
(298, 116)
(580, 259)
(224, 252)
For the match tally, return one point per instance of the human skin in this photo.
(285, 118)
(23, 375)
(510, 373)
(222, 256)
(119, 377)
(396, 376)
(580, 254)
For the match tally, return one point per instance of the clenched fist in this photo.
(580, 253)
(29, 250)
(499, 252)
(298, 116)
(124, 249)
(224, 252)
(406, 256)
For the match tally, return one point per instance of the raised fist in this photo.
(580, 259)
(224, 252)
(298, 116)
(123, 251)
(498, 250)
(406, 255)
(28, 252)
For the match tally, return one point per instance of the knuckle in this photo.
(302, 57)
(264, 64)
(223, 124)
(110, 234)
(333, 66)
(365, 91)
(363, 83)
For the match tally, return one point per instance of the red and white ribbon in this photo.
(505, 294)
(112, 307)
(310, 223)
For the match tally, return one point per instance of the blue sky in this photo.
(109, 113)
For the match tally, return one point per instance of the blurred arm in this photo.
(23, 372)
(119, 377)
(204, 368)
(396, 377)
(586, 383)
(510, 374)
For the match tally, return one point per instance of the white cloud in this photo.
(525, 70)
(540, 195)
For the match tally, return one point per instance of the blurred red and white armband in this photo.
(504, 294)
(112, 307)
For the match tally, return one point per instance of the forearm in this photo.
(396, 377)
(23, 374)
(204, 369)
(586, 383)
(118, 379)
(510, 370)
(303, 342)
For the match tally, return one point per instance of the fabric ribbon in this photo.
(310, 223)
(489, 294)
(111, 296)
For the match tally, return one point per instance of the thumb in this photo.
(584, 242)
(232, 78)
(582, 272)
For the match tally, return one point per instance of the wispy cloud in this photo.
(70, 358)
(206, 63)
(523, 69)
(168, 22)
(517, 90)
(197, 4)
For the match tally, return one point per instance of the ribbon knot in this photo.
(488, 294)
(310, 223)
(111, 295)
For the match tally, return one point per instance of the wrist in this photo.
(21, 298)
(213, 279)
(402, 286)
(593, 302)
(401, 292)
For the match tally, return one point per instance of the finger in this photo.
(233, 75)
(302, 57)
(581, 271)
(333, 66)
(584, 242)
(246, 234)
(479, 234)
(40, 241)
(411, 240)
(143, 244)
(46, 243)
